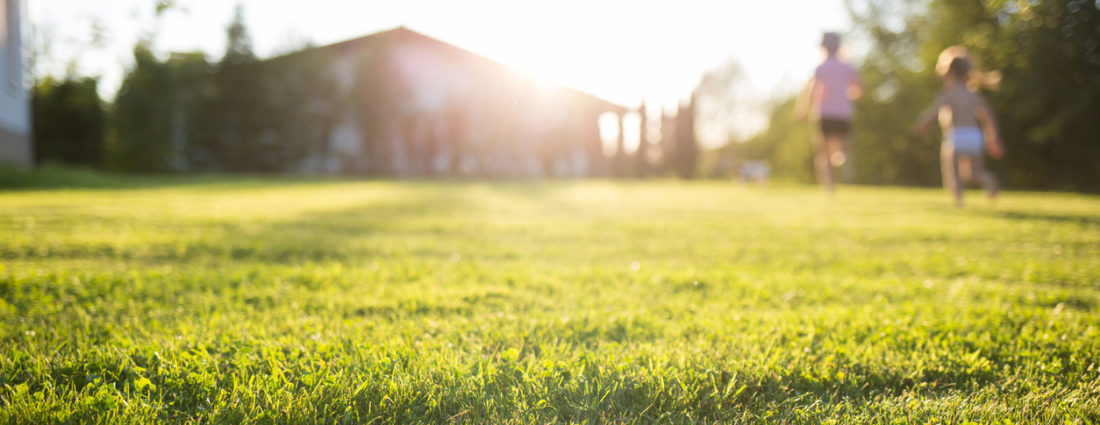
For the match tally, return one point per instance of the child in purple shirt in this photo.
(829, 96)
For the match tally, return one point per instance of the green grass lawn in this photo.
(294, 301)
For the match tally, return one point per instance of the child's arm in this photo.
(802, 105)
(855, 86)
(929, 114)
(988, 121)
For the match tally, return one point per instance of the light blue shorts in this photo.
(966, 140)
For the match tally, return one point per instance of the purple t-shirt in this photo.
(831, 95)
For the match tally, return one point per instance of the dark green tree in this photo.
(68, 121)
(192, 121)
(1049, 100)
(301, 103)
(1048, 52)
(158, 114)
(239, 144)
(239, 115)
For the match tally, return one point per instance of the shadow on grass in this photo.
(1081, 220)
(57, 177)
(327, 235)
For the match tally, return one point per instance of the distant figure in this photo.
(828, 96)
(968, 125)
(755, 172)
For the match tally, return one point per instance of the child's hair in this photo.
(959, 68)
(830, 41)
(955, 61)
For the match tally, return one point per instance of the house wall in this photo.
(465, 118)
(15, 120)
(447, 112)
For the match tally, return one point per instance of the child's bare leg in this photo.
(846, 167)
(949, 168)
(984, 176)
(821, 161)
(965, 170)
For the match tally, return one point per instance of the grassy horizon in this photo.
(261, 300)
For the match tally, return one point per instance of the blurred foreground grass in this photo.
(221, 300)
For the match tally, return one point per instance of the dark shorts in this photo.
(832, 127)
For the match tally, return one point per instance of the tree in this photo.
(68, 121)
(238, 49)
(785, 144)
(725, 113)
(239, 115)
(641, 156)
(1049, 54)
(724, 104)
(301, 103)
(141, 116)
(239, 105)
(685, 156)
(893, 73)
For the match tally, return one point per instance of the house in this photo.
(399, 103)
(15, 123)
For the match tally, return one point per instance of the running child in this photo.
(829, 95)
(969, 127)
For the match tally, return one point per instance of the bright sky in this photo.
(625, 51)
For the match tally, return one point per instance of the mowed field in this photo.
(235, 300)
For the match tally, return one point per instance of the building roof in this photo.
(404, 34)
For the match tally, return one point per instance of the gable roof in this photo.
(401, 33)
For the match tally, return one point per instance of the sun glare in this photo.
(623, 52)
(530, 56)
(609, 133)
